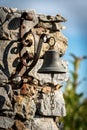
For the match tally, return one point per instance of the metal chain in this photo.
(52, 93)
(52, 99)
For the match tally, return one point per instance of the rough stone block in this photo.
(26, 102)
(44, 107)
(3, 15)
(6, 122)
(5, 102)
(61, 42)
(9, 28)
(10, 24)
(39, 123)
(24, 107)
(49, 18)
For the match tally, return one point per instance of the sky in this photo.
(76, 26)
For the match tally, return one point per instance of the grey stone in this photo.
(3, 33)
(48, 18)
(56, 27)
(6, 15)
(45, 25)
(20, 104)
(6, 122)
(5, 103)
(6, 9)
(9, 53)
(61, 42)
(3, 15)
(24, 107)
(3, 78)
(30, 24)
(51, 26)
(59, 18)
(39, 123)
(44, 106)
(11, 25)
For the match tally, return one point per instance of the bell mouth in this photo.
(51, 70)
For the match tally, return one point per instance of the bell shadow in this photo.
(5, 68)
(2, 101)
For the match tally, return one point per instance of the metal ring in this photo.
(51, 43)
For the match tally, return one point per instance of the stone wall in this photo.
(25, 102)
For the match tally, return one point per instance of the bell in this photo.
(52, 64)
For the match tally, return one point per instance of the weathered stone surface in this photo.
(29, 24)
(3, 78)
(22, 101)
(51, 26)
(9, 30)
(44, 107)
(39, 123)
(57, 26)
(9, 53)
(3, 15)
(10, 23)
(45, 25)
(5, 103)
(6, 122)
(49, 18)
(24, 107)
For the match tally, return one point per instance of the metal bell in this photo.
(52, 64)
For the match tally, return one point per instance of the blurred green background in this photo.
(76, 105)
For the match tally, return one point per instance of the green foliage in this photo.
(76, 118)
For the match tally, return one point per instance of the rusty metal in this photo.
(27, 90)
(36, 56)
(26, 57)
(52, 64)
(28, 42)
(24, 89)
(23, 35)
(23, 62)
(52, 93)
(51, 41)
(25, 41)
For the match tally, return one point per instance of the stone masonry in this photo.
(26, 105)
